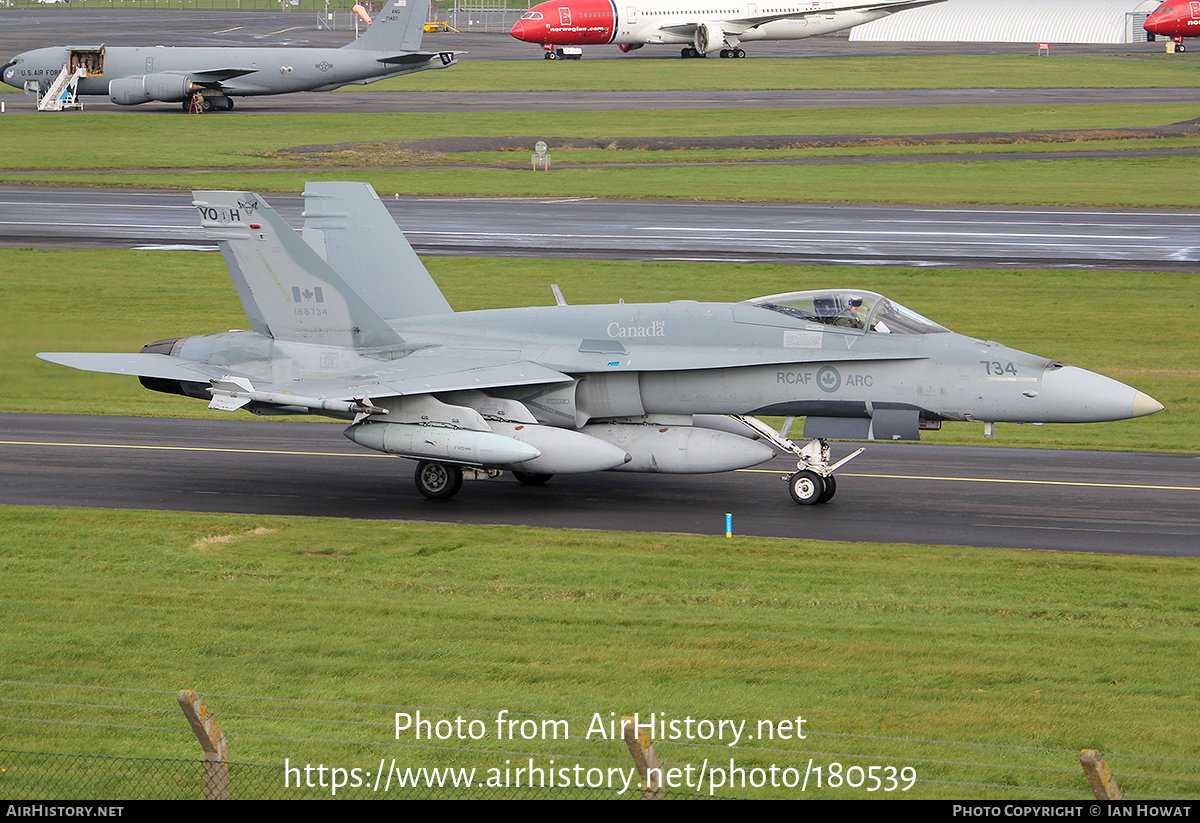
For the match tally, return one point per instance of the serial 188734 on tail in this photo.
(346, 322)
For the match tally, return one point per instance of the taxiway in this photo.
(1144, 504)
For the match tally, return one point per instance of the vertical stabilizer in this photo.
(349, 226)
(287, 290)
(395, 29)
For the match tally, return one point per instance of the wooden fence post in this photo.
(648, 764)
(1104, 785)
(212, 740)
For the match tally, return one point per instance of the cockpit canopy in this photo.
(850, 309)
(532, 15)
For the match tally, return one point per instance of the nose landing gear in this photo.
(813, 480)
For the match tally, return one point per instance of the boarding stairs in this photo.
(63, 92)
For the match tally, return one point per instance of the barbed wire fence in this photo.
(102, 743)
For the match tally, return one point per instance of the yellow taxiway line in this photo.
(754, 471)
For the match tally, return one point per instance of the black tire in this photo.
(438, 481)
(806, 487)
(532, 478)
(830, 490)
(739, 53)
(1181, 47)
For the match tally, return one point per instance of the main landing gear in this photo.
(201, 103)
(692, 51)
(438, 481)
(441, 481)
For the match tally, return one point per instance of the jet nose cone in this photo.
(1144, 404)
(518, 30)
(1077, 395)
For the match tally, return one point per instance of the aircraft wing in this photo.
(736, 25)
(425, 372)
(215, 75)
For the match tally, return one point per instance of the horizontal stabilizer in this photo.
(448, 58)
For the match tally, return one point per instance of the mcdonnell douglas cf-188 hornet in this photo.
(207, 79)
(702, 27)
(346, 322)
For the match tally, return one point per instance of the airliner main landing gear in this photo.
(733, 52)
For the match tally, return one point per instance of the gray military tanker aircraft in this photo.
(207, 79)
(346, 322)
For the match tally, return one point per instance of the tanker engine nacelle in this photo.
(144, 88)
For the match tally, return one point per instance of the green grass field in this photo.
(985, 671)
(142, 149)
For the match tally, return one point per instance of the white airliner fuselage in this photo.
(703, 26)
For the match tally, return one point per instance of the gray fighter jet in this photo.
(346, 322)
(207, 79)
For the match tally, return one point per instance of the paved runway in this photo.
(976, 496)
(650, 230)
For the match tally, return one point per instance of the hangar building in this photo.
(1015, 21)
